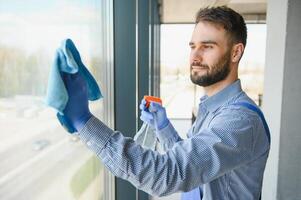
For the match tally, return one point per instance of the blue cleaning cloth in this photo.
(67, 59)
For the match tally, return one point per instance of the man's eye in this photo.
(208, 47)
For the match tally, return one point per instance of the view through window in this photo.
(39, 160)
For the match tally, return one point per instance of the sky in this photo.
(32, 25)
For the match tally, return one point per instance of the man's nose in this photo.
(196, 56)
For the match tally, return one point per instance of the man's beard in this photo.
(216, 73)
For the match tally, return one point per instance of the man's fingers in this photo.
(142, 105)
(66, 77)
(76, 77)
(154, 107)
(148, 121)
(144, 119)
(147, 115)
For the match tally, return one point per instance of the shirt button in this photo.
(89, 143)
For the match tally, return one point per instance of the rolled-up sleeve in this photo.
(224, 145)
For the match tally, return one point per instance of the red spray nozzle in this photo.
(149, 99)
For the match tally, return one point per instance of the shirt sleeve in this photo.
(226, 144)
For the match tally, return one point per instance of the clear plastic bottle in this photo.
(146, 136)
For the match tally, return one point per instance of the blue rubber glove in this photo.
(154, 116)
(77, 109)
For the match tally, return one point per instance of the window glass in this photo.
(39, 160)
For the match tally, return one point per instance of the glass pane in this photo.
(39, 160)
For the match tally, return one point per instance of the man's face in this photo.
(210, 54)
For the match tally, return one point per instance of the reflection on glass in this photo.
(39, 160)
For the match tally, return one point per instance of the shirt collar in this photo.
(214, 102)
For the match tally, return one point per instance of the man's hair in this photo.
(230, 20)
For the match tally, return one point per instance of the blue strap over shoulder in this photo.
(259, 112)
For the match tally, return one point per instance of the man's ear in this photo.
(237, 52)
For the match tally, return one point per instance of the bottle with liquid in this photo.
(146, 136)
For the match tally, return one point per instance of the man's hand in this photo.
(77, 109)
(155, 115)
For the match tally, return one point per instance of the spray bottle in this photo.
(146, 136)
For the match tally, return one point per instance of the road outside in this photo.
(38, 158)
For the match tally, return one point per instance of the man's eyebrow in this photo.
(209, 42)
(204, 42)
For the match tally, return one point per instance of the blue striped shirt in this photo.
(224, 155)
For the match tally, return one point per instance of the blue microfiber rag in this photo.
(67, 59)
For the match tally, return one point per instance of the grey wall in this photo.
(289, 182)
(281, 103)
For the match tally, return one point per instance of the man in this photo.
(225, 154)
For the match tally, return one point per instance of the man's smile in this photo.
(198, 68)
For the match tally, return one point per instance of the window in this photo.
(39, 160)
